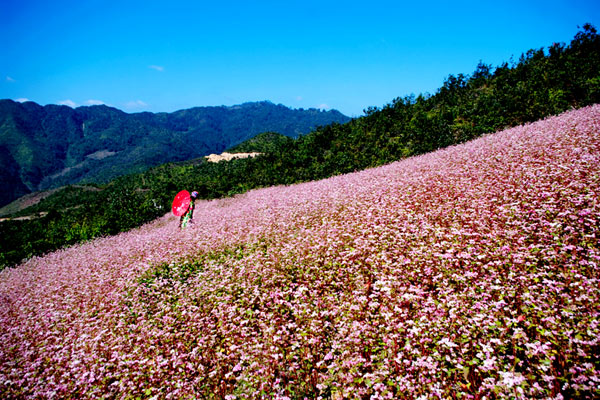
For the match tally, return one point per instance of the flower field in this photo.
(472, 272)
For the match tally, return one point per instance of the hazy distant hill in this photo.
(48, 146)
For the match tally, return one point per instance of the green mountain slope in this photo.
(51, 146)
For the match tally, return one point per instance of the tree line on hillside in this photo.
(542, 82)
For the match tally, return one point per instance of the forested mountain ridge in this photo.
(48, 146)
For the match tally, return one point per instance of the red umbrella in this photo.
(181, 203)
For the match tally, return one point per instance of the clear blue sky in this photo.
(348, 55)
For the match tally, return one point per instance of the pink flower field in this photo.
(468, 273)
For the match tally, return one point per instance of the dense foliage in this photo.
(267, 142)
(51, 146)
(468, 273)
(542, 82)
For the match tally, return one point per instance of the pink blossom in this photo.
(469, 272)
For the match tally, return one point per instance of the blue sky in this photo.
(348, 55)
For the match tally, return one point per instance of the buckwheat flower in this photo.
(489, 364)
(402, 273)
(510, 379)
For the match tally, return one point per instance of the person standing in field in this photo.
(189, 214)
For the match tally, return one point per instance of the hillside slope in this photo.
(543, 82)
(45, 147)
(469, 271)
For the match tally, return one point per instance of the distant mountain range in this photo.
(43, 147)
